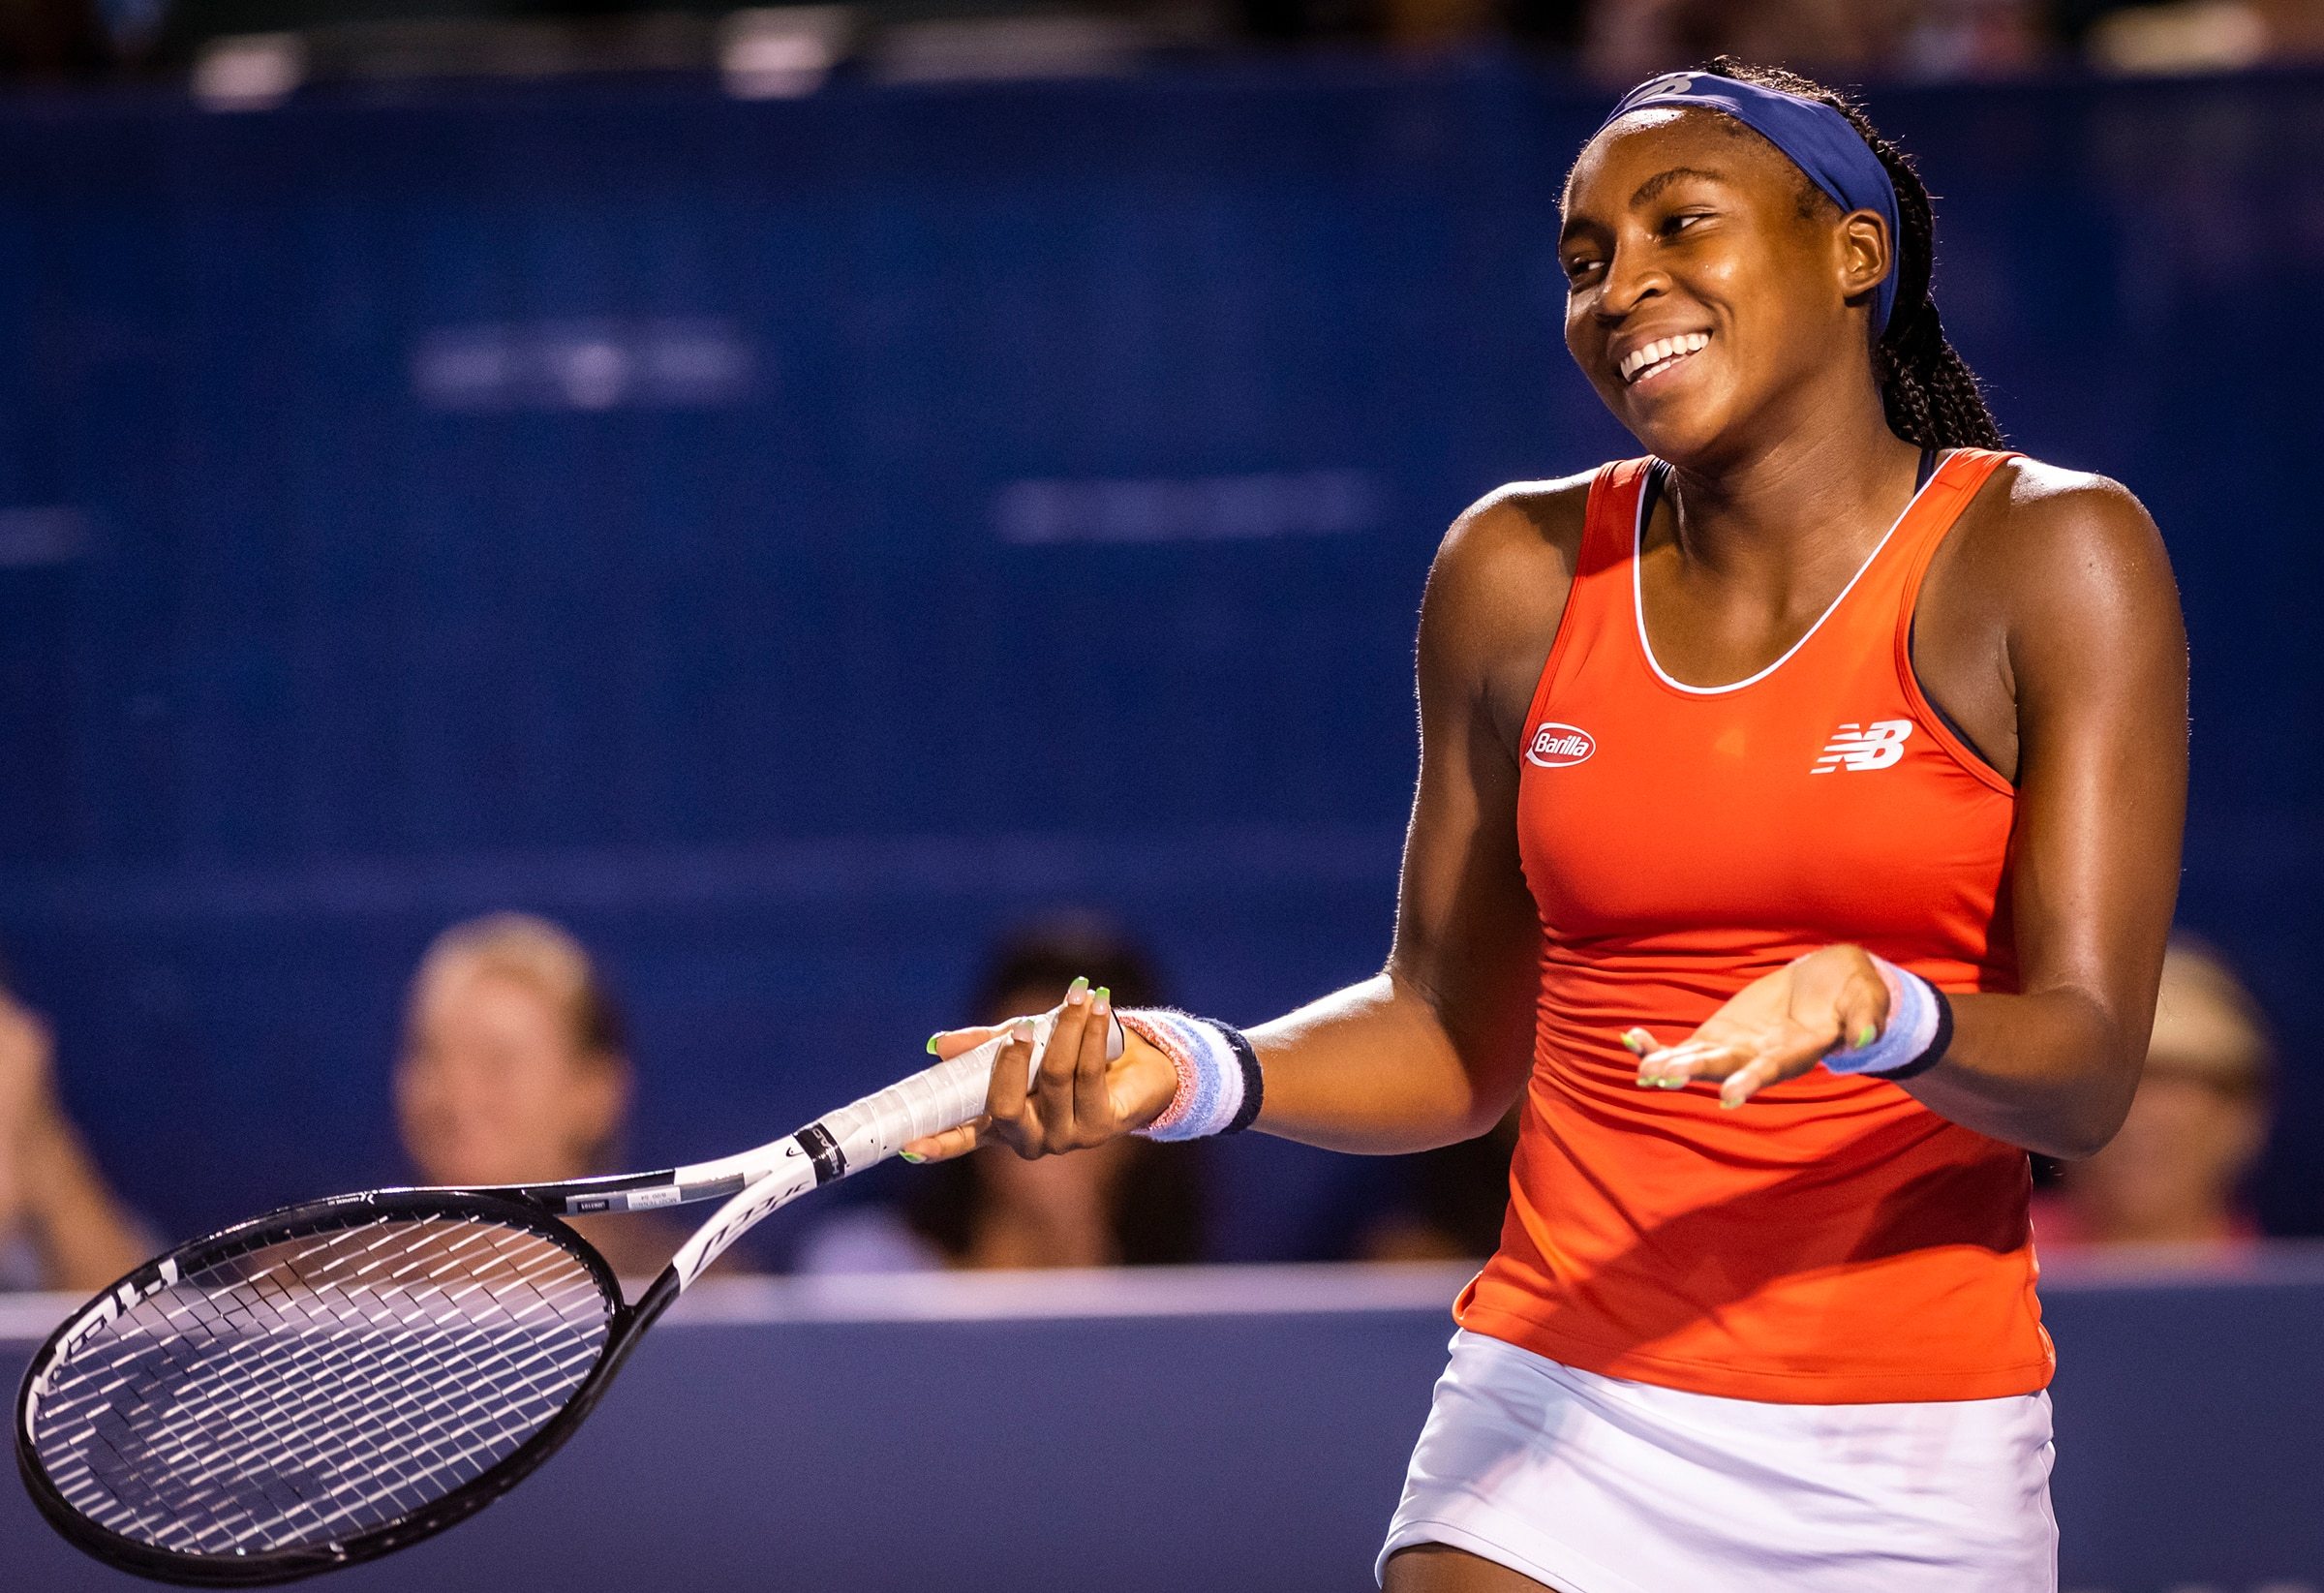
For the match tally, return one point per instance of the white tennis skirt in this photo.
(1592, 1485)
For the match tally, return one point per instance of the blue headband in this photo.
(1817, 138)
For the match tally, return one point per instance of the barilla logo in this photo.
(1555, 746)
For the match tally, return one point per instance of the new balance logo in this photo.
(1860, 747)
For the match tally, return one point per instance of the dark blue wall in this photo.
(790, 539)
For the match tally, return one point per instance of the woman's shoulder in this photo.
(2059, 551)
(1518, 525)
(1497, 590)
(2041, 532)
(2031, 507)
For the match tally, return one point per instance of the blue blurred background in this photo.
(798, 493)
(790, 540)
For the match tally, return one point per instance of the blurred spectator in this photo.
(515, 1069)
(1129, 1201)
(2206, 35)
(1628, 40)
(60, 1225)
(2174, 1175)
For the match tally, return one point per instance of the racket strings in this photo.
(308, 1390)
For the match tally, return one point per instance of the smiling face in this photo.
(1712, 293)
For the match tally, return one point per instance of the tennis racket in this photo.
(338, 1380)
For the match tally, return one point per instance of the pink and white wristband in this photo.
(1219, 1086)
(1915, 1038)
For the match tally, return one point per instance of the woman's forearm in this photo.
(1372, 1069)
(2047, 1071)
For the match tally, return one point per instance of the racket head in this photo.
(320, 1386)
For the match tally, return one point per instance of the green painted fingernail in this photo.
(1076, 990)
(1865, 1035)
(1105, 1001)
(932, 1042)
(908, 1156)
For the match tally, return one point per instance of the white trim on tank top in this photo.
(1638, 597)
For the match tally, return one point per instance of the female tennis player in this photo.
(1797, 831)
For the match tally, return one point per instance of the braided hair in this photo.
(1930, 396)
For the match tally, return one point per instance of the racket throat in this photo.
(754, 1201)
(831, 1162)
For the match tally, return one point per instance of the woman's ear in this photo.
(1866, 253)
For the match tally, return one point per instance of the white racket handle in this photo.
(862, 1134)
(932, 1100)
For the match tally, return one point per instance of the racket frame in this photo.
(752, 1183)
(625, 1324)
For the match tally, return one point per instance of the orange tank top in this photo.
(1833, 1241)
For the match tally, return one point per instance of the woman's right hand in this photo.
(1079, 1098)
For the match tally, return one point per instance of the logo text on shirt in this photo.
(1555, 746)
(1857, 746)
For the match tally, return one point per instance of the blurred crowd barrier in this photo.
(1238, 1429)
(792, 542)
(237, 52)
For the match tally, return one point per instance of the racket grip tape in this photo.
(932, 1100)
(862, 1135)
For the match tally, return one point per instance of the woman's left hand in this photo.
(1777, 1027)
(28, 1105)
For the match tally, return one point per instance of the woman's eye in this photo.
(1682, 221)
(1580, 267)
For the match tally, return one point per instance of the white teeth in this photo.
(1660, 349)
